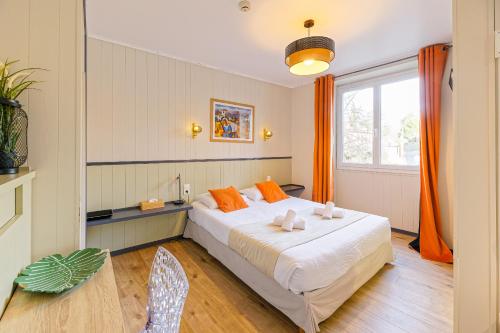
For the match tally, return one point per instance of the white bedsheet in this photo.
(309, 266)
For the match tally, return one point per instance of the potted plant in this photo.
(13, 119)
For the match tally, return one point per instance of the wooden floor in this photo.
(410, 295)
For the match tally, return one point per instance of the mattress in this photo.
(310, 266)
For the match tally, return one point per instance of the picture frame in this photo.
(231, 121)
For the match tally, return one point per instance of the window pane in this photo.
(357, 126)
(400, 107)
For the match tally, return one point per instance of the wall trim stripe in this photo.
(404, 232)
(190, 160)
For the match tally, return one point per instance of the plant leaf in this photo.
(55, 273)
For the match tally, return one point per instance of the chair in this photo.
(167, 290)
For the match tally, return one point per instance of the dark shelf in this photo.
(132, 213)
(293, 190)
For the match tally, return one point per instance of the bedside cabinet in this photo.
(293, 190)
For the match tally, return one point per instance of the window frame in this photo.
(375, 83)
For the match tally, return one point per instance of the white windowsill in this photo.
(395, 171)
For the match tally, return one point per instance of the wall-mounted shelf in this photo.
(132, 213)
(293, 190)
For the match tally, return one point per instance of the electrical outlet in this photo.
(187, 189)
(268, 178)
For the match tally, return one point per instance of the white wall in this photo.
(49, 34)
(395, 195)
(141, 106)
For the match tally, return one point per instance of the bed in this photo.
(310, 280)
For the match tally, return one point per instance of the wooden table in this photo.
(93, 306)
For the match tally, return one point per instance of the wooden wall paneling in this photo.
(46, 35)
(141, 182)
(43, 114)
(190, 179)
(118, 236)
(163, 181)
(107, 237)
(141, 116)
(200, 177)
(94, 188)
(126, 185)
(94, 104)
(94, 236)
(171, 183)
(213, 175)
(130, 105)
(186, 122)
(168, 95)
(105, 121)
(106, 187)
(130, 233)
(130, 186)
(180, 110)
(410, 202)
(171, 108)
(163, 107)
(153, 185)
(152, 107)
(201, 87)
(395, 196)
(118, 87)
(119, 178)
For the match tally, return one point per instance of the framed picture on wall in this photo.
(231, 121)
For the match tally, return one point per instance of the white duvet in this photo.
(309, 266)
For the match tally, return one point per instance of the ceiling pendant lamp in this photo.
(310, 55)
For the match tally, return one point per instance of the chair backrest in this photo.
(168, 287)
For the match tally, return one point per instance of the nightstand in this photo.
(293, 190)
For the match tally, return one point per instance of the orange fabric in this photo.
(323, 129)
(271, 191)
(431, 63)
(228, 199)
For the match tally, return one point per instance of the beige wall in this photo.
(395, 195)
(48, 34)
(475, 166)
(303, 137)
(141, 106)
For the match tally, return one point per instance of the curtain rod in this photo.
(447, 46)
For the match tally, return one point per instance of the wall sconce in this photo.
(196, 129)
(267, 134)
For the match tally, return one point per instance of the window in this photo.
(379, 123)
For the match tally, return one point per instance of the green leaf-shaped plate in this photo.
(55, 273)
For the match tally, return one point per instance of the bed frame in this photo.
(308, 309)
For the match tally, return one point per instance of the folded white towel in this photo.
(328, 211)
(319, 211)
(300, 223)
(296, 222)
(289, 220)
(278, 220)
(338, 213)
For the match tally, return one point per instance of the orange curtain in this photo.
(431, 64)
(323, 130)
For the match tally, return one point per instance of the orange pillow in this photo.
(271, 191)
(228, 199)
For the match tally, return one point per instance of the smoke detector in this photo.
(244, 5)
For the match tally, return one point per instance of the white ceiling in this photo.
(216, 34)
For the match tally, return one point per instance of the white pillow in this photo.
(207, 200)
(253, 193)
